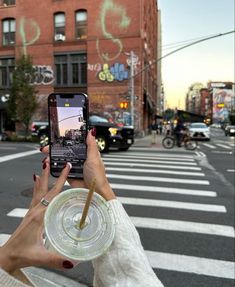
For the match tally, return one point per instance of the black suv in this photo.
(108, 135)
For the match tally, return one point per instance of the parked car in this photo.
(108, 135)
(229, 130)
(199, 131)
(36, 126)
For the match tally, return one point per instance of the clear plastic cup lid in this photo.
(62, 230)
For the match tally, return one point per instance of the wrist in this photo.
(7, 260)
(106, 192)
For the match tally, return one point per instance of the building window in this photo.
(8, 32)
(71, 70)
(81, 24)
(59, 24)
(7, 2)
(6, 71)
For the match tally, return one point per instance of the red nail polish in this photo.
(93, 131)
(34, 177)
(44, 165)
(67, 264)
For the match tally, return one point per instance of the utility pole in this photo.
(132, 89)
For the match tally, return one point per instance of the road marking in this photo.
(149, 152)
(172, 204)
(133, 169)
(230, 170)
(18, 212)
(134, 159)
(148, 156)
(18, 155)
(209, 145)
(159, 179)
(130, 164)
(223, 146)
(3, 238)
(191, 264)
(181, 263)
(183, 226)
(173, 190)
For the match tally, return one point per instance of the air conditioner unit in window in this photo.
(59, 37)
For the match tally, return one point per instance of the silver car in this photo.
(199, 131)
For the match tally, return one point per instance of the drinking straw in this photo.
(87, 204)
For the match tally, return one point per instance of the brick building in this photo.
(88, 46)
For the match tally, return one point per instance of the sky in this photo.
(185, 21)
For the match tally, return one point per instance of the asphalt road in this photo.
(181, 202)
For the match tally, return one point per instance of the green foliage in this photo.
(22, 102)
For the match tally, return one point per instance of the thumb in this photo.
(92, 150)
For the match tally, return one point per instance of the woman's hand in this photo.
(25, 246)
(93, 168)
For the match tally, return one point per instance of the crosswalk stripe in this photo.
(160, 154)
(209, 145)
(3, 238)
(172, 190)
(18, 212)
(183, 226)
(17, 155)
(181, 263)
(131, 164)
(136, 170)
(148, 156)
(223, 146)
(134, 159)
(191, 264)
(158, 179)
(172, 204)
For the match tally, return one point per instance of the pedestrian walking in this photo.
(154, 128)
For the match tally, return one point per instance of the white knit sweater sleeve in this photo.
(125, 264)
(7, 280)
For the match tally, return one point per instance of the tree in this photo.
(22, 101)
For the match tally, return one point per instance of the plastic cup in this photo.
(62, 231)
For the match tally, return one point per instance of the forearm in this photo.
(125, 263)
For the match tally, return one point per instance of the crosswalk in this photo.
(142, 178)
(169, 195)
(221, 145)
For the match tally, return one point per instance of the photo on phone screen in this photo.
(68, 115)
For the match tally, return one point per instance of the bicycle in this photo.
(169, 141)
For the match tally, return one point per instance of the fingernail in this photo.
(69, 164)
(34, 177)
(44, 165)
(67, 264)
(44, 160)
(93, 132)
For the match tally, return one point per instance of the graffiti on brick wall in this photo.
(33, 32)
(94, 67)
(116, 72)
(110, 7)
(42, 75)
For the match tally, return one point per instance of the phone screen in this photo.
(68, 115)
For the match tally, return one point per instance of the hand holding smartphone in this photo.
(68, 126)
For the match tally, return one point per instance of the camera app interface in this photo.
(68, 132)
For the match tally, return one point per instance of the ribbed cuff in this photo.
(7, 280)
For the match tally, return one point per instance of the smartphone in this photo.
(68, 126)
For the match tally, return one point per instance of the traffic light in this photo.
(123, 105)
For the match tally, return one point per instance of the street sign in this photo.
(128, 97)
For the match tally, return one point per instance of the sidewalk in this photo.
(146, 141)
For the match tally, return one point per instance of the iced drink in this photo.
(62, 231)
